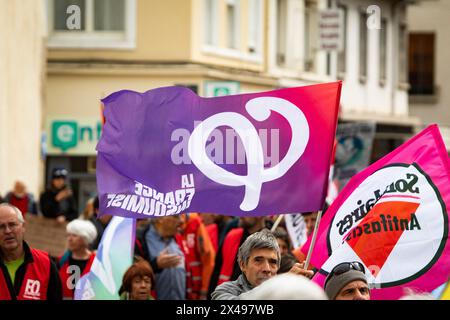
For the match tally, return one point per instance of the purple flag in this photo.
(168, 151)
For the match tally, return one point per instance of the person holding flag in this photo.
(226, 266)
(259, 259)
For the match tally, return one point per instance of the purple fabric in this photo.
(143, 156)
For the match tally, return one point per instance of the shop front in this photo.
(71, 144)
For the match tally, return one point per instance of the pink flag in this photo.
(393, 218)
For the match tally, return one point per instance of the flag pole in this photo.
(313, 240)
(277, 222)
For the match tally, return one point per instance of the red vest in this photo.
(64, 274)
(229, 254)
(193, 262)
(35, 281)
(213, 232)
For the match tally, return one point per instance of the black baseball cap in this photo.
(59, 173)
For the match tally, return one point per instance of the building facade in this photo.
(22, 74)
(429, 49)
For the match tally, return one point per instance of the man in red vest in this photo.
(25, 273)
(199, 254)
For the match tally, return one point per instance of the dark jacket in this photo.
(100, 227)
(232, 290)
(219, 259)
(51, 208)
(54, 291)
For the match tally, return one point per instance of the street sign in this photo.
(72, 136)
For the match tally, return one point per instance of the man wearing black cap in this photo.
(347, 281)
(57, 201)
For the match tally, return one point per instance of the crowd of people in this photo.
(190, 256)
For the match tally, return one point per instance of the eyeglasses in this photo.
(11, 226)
(345, 267)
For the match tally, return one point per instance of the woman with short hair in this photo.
(137, 282)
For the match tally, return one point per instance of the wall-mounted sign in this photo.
(221, 88)
(331, 30)
(72, 136)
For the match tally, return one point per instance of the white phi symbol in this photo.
(259, 109)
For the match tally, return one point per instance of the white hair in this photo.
(82, 228)
(15, 209)
(286, 286)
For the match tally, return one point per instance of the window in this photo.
(383, 51)
(108, 15)
(222, 32)
(232, 14)
(92, 23)
(255, 26)
(362, 46)
(342, 54)
(402, 55)
(421, 63)
(281, 32)
(211, 22)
